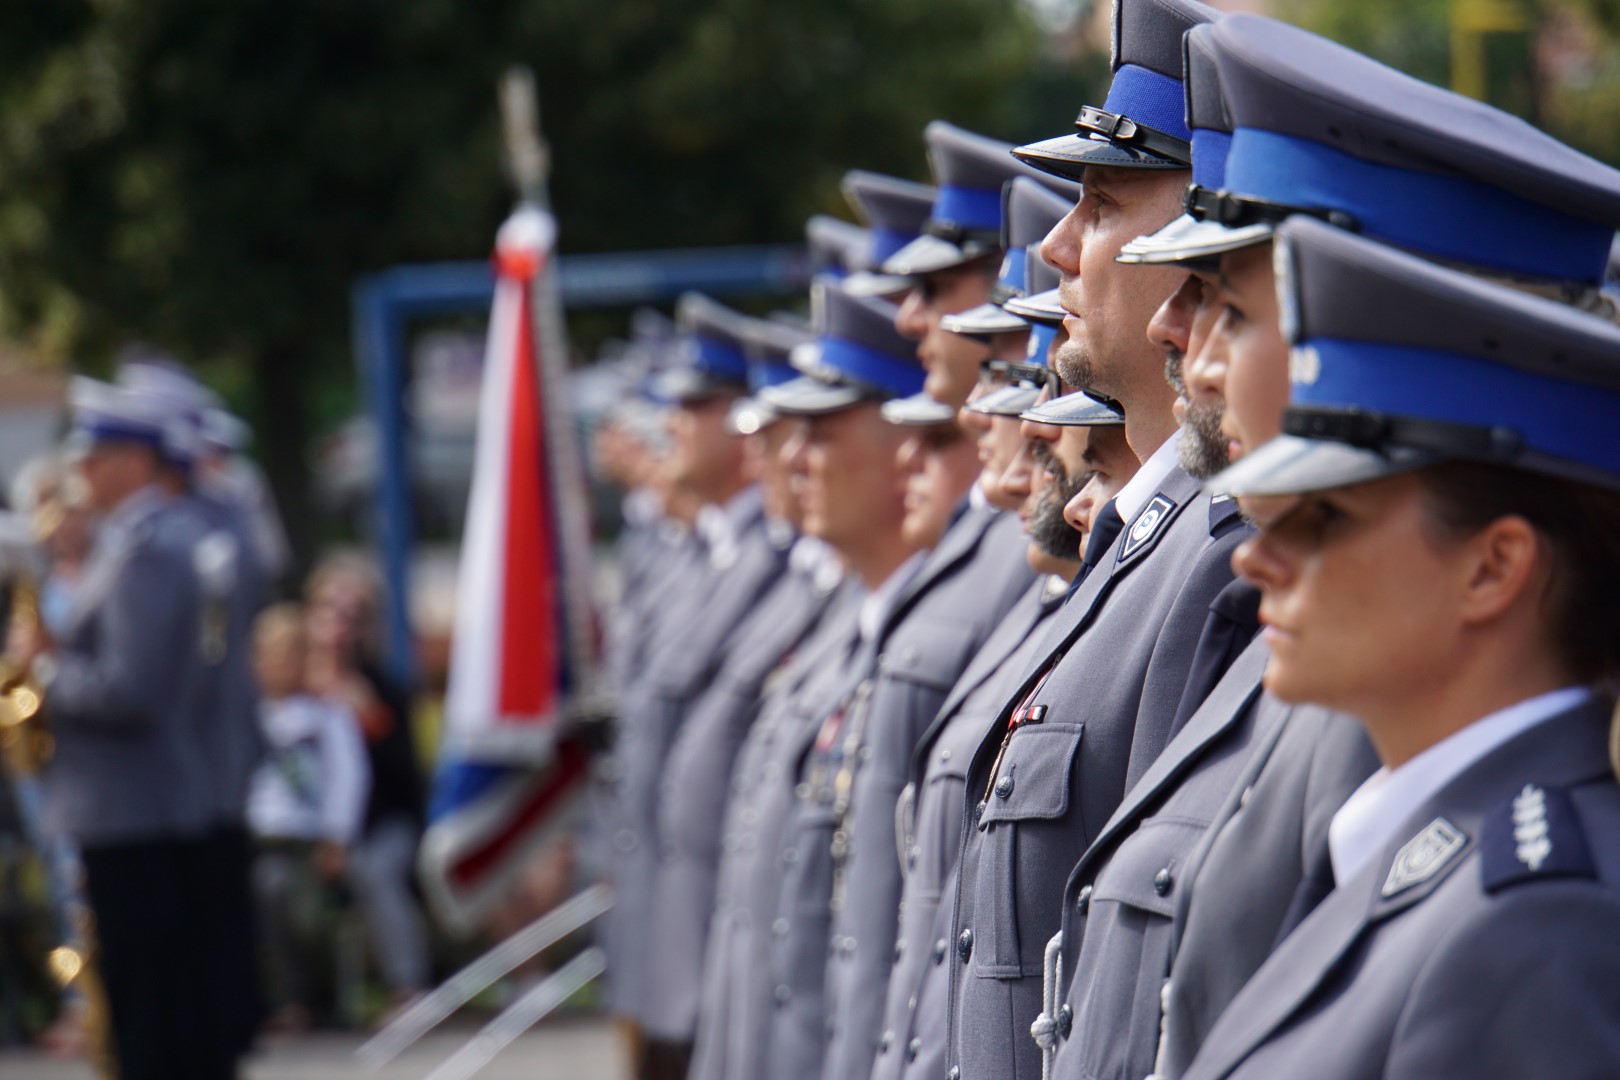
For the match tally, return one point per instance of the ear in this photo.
(1504, 567)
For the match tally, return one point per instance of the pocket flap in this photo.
(930, 653)
(1033, 781)
(1145, 871)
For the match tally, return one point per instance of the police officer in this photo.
(972, 577)
(1443, 469)
(1260, 868)
(696, 775)
(129, 685)
(1098, 704)
(697, 624)
(740, 993)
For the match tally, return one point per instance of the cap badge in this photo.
(1424, 856)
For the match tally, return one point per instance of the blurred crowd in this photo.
(268, 777)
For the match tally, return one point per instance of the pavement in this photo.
(564, 1048)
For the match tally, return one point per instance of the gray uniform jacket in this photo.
(1479, 943)
(739, 995)
(132, 690)
(1119, 899)
(1096, 709)
(929, 818)
(700, 635)
(958, 598)
(234, 587)
(1231, 904)
(693, 790)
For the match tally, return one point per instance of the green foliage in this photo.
(214, 176)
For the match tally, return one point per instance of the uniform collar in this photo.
(1140, 488)
(881, 600)
(1371, 818)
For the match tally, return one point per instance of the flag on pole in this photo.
(505, 770)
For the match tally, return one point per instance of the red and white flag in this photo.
(504, 772)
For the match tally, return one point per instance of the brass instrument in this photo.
(24, 740)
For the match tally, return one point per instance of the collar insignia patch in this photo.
(1424, 856)
(1146, 526)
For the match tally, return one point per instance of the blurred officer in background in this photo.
(131, 684)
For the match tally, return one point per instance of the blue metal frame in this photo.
(386, 302)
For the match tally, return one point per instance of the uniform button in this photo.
(964, 945)
(1004, 787)
(864, 754)
(1065, 1020)
(1083, 901)
(783, 996)
(941, 947)
(954, 1073)
(849, 946)
(790, 856)
(913, 1048)
(908, 654)
(779, 928)
(802, 791)
(885, 1042)
(978, 813)
(945, 755)
(1162, 881)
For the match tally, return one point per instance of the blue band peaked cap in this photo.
(1030, 211)
(837, 247)
(1142, 124)
(859, 344)
(769, 345)
(1207, 116)
(1377, 330)
(893, 209)
(103, 412)
(716, 331)
(1319, 126)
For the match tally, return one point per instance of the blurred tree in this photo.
(1561, 71)
(213, 177)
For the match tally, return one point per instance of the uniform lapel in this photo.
(1433, 844)
(959, 544)
(1225, 705)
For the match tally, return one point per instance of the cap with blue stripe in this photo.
(965, 222)
(1194, 237)
(858, 356)
(1398, 363)
(103, 413)
(1030, 210)
(1142, 124)
(710, 360)
(894, 211)
(837, 247)
(1322, 130)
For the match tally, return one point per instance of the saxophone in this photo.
(24, 739)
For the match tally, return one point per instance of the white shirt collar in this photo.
(880, 601)
(977, 499)
(1140, 488)
(1368, 820)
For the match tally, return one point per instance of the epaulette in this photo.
(1534, 836)
(1222, 510)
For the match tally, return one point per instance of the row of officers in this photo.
(1158, 621)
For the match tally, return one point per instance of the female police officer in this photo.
(1439, 555)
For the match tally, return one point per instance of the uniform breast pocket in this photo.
(915, 674)
(1030, 792)
(1127, 941)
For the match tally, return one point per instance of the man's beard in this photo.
(1202, 448)
(1048, 530)
(1073, 363)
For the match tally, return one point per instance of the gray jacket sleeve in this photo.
(1553, 936)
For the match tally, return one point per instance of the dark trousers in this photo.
(155, 959)
(226, 887)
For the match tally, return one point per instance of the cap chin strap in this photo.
(1382, 432)
(1121, 129)
(1237, 211)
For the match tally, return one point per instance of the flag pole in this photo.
(528, 160)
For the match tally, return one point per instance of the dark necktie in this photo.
(1103, 534)
(1233, 620)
